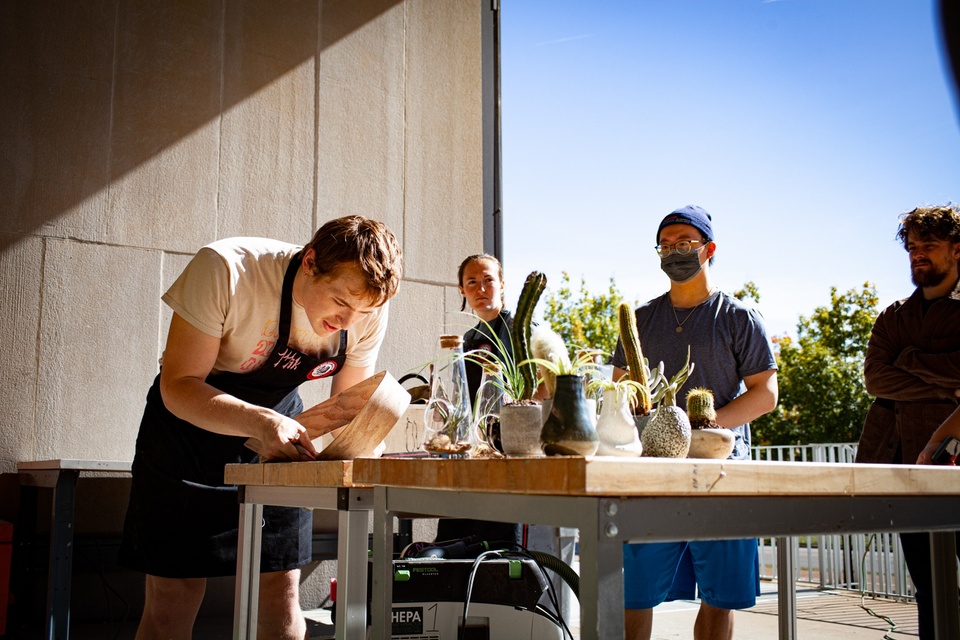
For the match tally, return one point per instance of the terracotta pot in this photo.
(569, 430)
(711, 443)
(520, 426)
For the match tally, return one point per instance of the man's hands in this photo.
(926, 456)
(285, 439)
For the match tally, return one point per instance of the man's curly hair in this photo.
(925, 223)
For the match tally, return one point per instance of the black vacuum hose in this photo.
(559, 567)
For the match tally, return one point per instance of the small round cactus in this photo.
(700, 409)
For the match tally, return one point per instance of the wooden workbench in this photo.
(310, 485)
(617, 500)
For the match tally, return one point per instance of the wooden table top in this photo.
(324, 473)
(618, 476)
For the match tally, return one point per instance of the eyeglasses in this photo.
(682, 248)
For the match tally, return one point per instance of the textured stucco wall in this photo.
(135, 132)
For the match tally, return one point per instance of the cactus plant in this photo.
(707, 439)
(700, 409)
(637, 368)
(520, 337)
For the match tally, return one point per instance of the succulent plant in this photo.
(667, 434)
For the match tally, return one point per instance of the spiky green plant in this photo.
(667, 434)
(637, 367)
(623, 386)
(509, 379)
(700, 409)
(529, 296)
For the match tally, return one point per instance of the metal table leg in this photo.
(601, 589)
(382, 605)
(61, 555)
(352, 573)
(248, 571)
(786, 589)
(943, 565)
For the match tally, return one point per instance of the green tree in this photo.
(822, 394)
(584, 319)
(749, 290)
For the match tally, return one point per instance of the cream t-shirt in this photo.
(231, 290)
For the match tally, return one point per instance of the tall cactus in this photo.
(520, 337)
(630, 339)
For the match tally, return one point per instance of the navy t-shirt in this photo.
(727, 341)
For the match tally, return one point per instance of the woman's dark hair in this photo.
(473, 258)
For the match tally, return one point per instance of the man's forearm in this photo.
(891, 382)
(759, 398)
(938, 369)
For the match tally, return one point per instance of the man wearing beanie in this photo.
(733, 357)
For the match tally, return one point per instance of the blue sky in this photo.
(804, 126)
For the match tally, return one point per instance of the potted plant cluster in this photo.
(668, 431)
(516, 376)
(569, 427)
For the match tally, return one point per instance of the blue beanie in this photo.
(695, 216)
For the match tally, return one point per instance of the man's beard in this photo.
(932, 276)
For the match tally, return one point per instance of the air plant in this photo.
(553, 359)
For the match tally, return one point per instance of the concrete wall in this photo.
(132, 133)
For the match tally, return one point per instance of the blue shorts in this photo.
(727, 573)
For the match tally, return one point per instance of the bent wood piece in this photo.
(366, 412)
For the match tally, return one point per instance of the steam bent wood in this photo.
(366, 412)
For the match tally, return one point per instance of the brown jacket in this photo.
(912, 366)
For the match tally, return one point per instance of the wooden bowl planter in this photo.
(716, 443)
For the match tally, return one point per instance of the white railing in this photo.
(871, 562)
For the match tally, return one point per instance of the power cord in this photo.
(108, 588)
(507, 553)
(872, 540)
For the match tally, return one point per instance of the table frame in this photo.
(353, 505)
(606, 522)
(61, 475)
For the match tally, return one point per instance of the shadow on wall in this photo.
(87, 98)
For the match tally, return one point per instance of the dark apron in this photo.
(182, 520)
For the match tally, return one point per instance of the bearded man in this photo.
(912, 367)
